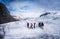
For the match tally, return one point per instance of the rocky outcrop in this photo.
(45, 14)
(5, 16)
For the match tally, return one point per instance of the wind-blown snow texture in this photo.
(19, 30)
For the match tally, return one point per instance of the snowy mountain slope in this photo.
(25, 33)
(19, 30)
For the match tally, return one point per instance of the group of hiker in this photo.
(33, 25)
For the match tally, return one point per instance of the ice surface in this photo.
(19, 30)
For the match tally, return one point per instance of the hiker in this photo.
(34, 25)
(31, 26)
(40, 24)
(28, 25)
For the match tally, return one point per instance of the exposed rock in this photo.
(5, 16)
(45, 14)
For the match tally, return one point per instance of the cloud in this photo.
(50, 4)
(26, 5)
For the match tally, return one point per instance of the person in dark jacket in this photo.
(27, 25)
(31, 25)
(34, 25)
(41, 24)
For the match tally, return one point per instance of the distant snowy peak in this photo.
(20, 15)
(43, 15)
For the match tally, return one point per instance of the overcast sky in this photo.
(32, 5)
